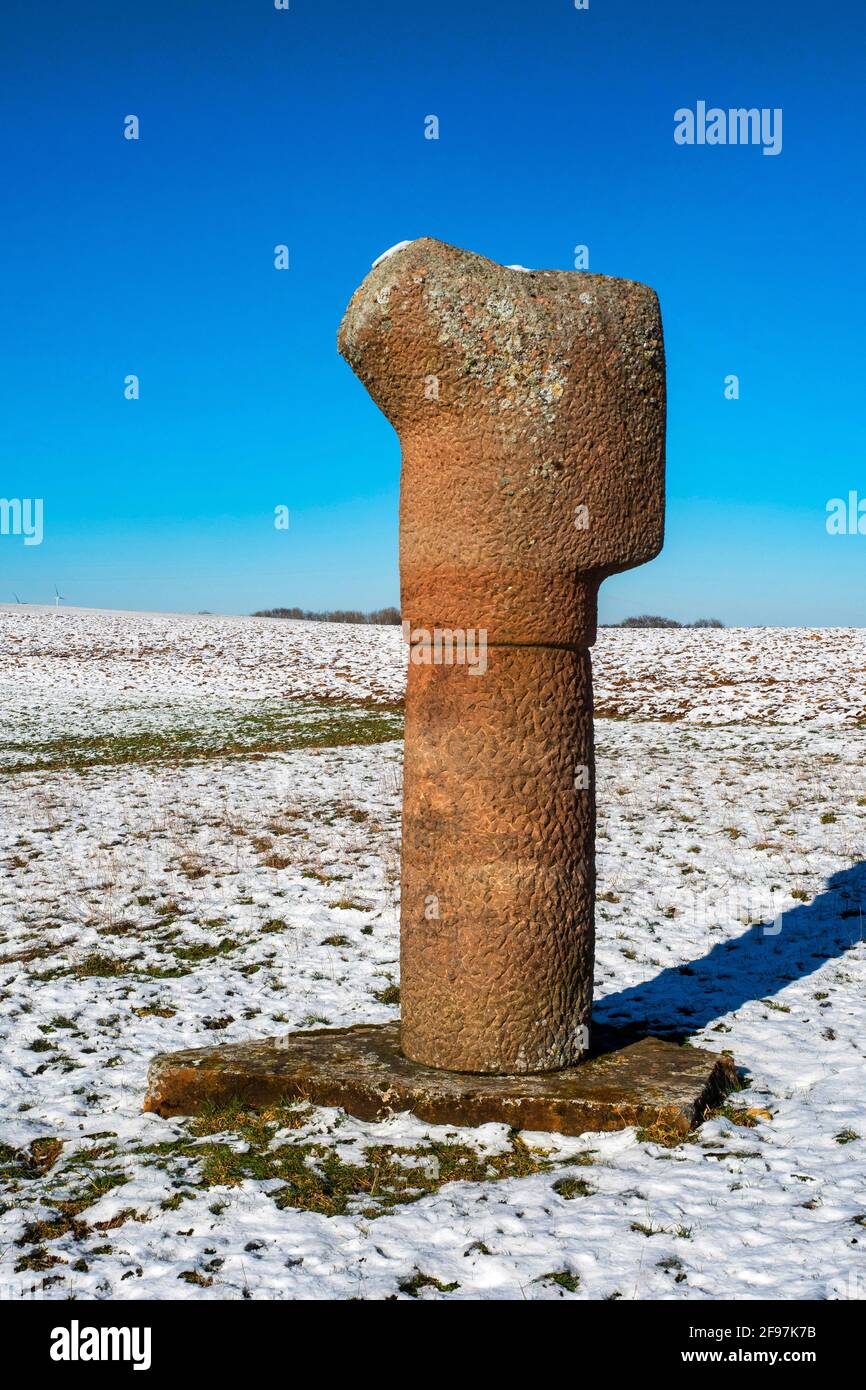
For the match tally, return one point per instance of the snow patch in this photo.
(392, 251)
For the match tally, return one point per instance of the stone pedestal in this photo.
(650, 1083)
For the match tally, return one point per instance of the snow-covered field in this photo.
(75, 658)
(199, 835)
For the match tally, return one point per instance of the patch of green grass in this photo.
(203, 950)
(66, 1218)
(45, 1152)
(668, 1135)
(683, 1232)
(26, 1164)
(274, 860)
(313, 1175)
(100, 965)
(569, 1188)
(419, 1281)
(273, 727)
(646, 1230)
(38, 1232)
(39, 1158)
(9, 1157)
(174, 1202)
(389, 995)
(37, 1260)
(746, 1119)
(563, 1277)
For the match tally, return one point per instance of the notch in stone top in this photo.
(536, 466)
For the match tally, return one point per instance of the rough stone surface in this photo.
(501, 979)
(520, 398)
(362, 1069)
(551, 395)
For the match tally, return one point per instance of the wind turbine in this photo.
(58, 597)
(15, 596)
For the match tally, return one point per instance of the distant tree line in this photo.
(652, 620)
(336, 615)
(392, 615)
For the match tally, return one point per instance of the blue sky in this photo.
(306, 127)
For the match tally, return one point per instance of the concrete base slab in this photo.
(646, 1083)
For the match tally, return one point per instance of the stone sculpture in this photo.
(530, 407)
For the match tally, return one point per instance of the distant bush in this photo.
(651, 620)
(384, 615)
(336, 615)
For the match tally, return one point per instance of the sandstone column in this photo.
(531, 412)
